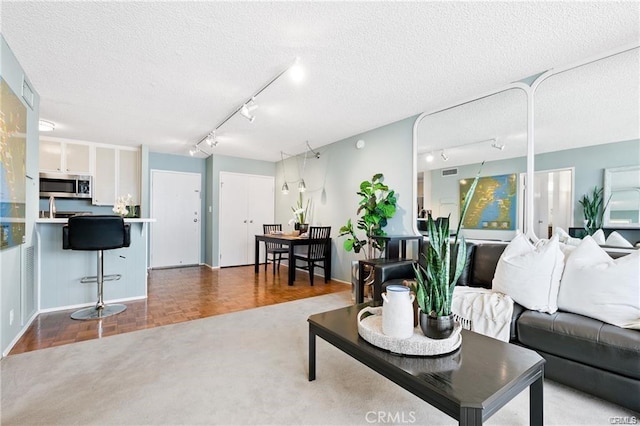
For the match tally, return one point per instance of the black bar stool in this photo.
(97, 233)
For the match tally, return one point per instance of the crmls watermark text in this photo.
(618, 420)
(398, 417)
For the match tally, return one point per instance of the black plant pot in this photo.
(436, 327)
(302, 227)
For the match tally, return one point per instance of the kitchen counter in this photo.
(59, 271)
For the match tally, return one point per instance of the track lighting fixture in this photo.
(46, 126)
(246, 108)
(444, 156)
(429, 157)
(196, 149)
(244, 111)
(497, 145)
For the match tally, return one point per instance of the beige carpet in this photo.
(243, 368)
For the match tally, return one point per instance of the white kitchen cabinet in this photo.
(104, 178)
(246, 203)
(65, 157)
(117, 173)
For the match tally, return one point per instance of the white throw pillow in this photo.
(597, 286)
(616, 240)
(566, 238)
(598, 237)
(530, 275)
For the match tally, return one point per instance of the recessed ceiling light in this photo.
(46, 126)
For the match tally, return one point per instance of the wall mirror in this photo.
(622, 191)
(587, 121)
(449, 147)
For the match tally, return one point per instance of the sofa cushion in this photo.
(531, 274)
(485, 259)
(582, 339)
(599, 287)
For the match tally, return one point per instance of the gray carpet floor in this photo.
(248, 367)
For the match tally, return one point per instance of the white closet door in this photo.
(261, 204)
(175, 204)
(246, 203)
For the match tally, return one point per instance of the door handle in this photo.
(245, 221)
(251, 221)
(195, 220)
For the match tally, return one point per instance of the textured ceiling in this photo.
(166, 73)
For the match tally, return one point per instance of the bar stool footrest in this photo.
(94, 279)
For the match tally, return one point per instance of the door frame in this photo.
(151, 174)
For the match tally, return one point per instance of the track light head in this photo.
(497, 145)
(246, 113)
(444, 156)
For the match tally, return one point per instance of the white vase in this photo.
(397, 312)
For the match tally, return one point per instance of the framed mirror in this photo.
(449, 147)
(587, 122)
(622, 195)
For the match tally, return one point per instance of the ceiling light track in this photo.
(247, 107)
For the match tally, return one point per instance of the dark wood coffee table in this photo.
(470, 384)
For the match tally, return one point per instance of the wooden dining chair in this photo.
(316, 252)
(276, 250)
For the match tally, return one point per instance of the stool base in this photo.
(97, 313)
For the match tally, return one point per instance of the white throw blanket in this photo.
(483, 311)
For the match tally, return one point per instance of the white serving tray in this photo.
(370, 329)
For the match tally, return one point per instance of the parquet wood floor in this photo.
(178, 295)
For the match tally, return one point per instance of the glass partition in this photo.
(450, 146)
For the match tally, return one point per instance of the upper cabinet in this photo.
(117, 174)
(116, 170)
(65, 157)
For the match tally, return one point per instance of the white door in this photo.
(175, 204)
(552, 204)
(246, 203)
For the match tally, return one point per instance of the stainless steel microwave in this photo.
(65, 186)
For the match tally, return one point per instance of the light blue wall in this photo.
(181, 163)
(588, 162)
(13, 283)
(333, 180)
(215, 165)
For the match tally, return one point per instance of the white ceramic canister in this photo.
(397, 312)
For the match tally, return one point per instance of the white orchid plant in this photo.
(300, 213)
(124, 206)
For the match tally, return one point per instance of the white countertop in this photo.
(65, 219)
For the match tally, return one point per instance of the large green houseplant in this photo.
(377, 205)
(436, 280)
(593, 210)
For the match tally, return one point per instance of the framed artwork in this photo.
(13, 150)
(493, 206)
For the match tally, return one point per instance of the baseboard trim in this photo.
(20, 334)
(85, 305)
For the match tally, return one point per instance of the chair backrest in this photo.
(96, 232)
(267, 229)
(319, 250)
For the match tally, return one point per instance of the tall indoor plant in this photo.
(593, 212)
(377, 205)
(436, 280)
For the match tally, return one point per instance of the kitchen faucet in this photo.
(52, 207)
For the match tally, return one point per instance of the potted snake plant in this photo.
(436, 280)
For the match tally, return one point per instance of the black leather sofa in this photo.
(581, 352)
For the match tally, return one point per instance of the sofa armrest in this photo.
(402, 269)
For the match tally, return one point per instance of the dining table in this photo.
(291, 241)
